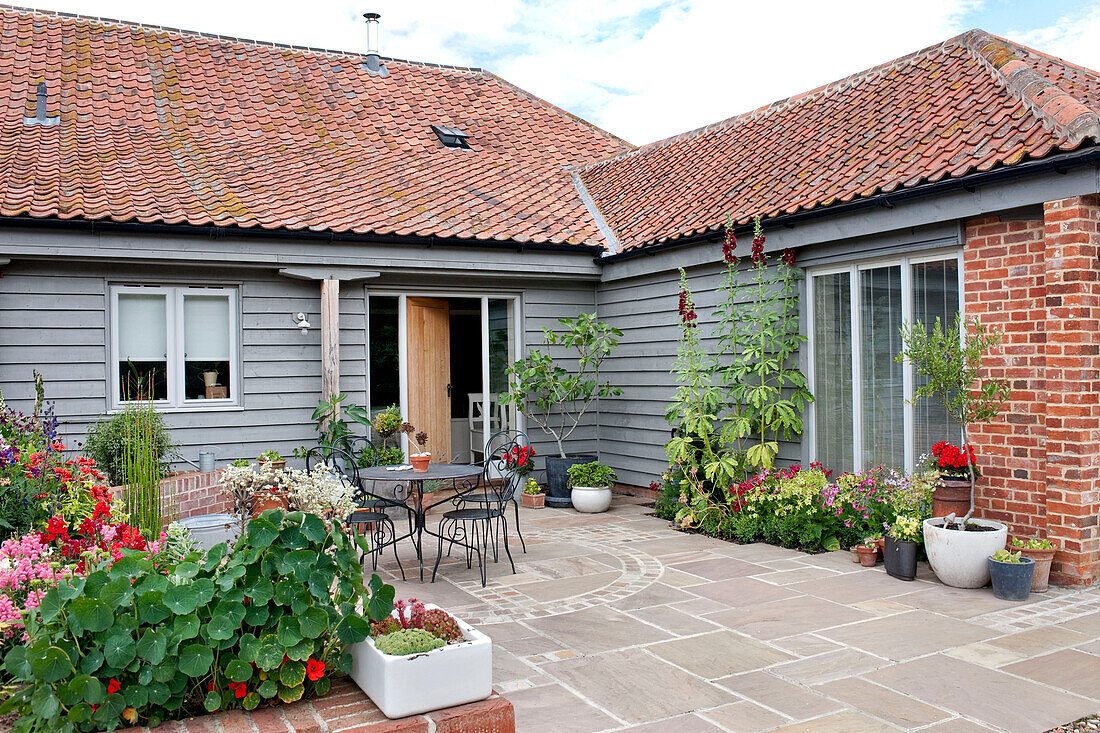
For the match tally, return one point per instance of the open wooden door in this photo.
(428, 328)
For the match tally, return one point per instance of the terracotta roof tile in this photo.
(170, 126)
(972, 103)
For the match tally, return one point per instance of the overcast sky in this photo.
(643, 69)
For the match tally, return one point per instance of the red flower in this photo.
(687, 309)
(240, 689)
(788, 257)
(315, 670)
(210, 687)
(113, 686)
(728, 247)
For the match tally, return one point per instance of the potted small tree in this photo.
(557, 399)
(532, 496)
(1042, 552)
(951, 364)
(590, 487)
(1011, 575)
(900, 550)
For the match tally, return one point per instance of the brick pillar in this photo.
(1072, 234)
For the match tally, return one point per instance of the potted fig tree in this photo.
(950, 363)
(556, 398)
(590, 487)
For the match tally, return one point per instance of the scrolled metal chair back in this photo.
(362, 449)
(497, 473)
(342, 463)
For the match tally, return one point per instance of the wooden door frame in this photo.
(402, 294)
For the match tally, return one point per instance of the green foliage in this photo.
(1006, 555)
(668, 500)
(143, 468)
(329, 418)
(408, 641)
(107, 440)
(241, 463)
(590, 474)
(555, 398)
(268, 456)
(1034, 543)
(907, 528)
(215, 631)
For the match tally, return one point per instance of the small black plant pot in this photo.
(557, 478)
(1011, 580)
(900, 557)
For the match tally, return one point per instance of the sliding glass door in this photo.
(863, 414)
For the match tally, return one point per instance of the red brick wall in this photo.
(1039, 282)
(193, 493)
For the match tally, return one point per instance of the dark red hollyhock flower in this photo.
(687, 310)
(758, 249)
(788, 257)
(728, 247)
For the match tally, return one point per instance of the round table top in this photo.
(435, 471)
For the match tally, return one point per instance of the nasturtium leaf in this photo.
(313, 622)
(221, 627)
(291, 694)
(292, 673)
(90, 614)
(314, 528)
(164, 672)
(17, 664)
(88, 689)
(186, 627)
(232, 573)
(80, 713)
(261, 531)
(205, 589)
(295, 517)
(352, 630)
(285, 591)
(186, 570)
(301, 651)
(235, 612)
(381, 603)
(288, 633)
(212, 702)
(130, 566)
(145, 676)
(195, 660)
(320, 687)
(137, 696)
(269, 655)
(267, 688)
(92, 661)
(152, 646)
(257, 615)
(299, 562)
(116, 593)
(259, 591)
(50, 605)
(238, 671)
(70, 588)
(158, 693)
(153, 581)
(214, 556)
(108, 712)
(320, 583)
(302, 600)
(249, 645)
(291, 537)
(44, 702)
(119, 650)
(181, 599)
(251, 701)
(52, 665)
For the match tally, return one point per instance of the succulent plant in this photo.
(441, 624)
(408, 641)
(387, 625)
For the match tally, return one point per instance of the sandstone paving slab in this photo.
(554, 709)
(1068, 669)
(507, 667)
(636, 686)
(444, 594)
(654, 594)
(828, 666)
(1040, 640)
(839, 560)
(796, 575)
(900, 710)
(957, 725)
(719, 654)
(881, 607)
(677, 578)
(1087, 625)
(793, 562)
(739, 592)
(806, 645)
(907, 635)
(565, 588)
(537, 551)
(720, 568)
(847, 721)
(532, 645)
(788, 616)
(984, 654)
(597, 629)
(1093, 647)
(986, 695)
(758, 552)
(744, 717)
(856, 587)
(673, 620)
(678, 542)
(699, 606)
(679, 724)
(957, 602)
(794, 701)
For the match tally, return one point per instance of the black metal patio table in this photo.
(464, 477)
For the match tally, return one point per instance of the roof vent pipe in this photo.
(40, 116)
(373, 65)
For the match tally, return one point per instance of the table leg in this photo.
(421, 520)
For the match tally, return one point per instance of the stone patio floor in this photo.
(617, 622)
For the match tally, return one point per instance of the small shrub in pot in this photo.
(900, 549)
(590, 486)
(1011, 575)
(1042, 552)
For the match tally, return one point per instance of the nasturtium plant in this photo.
(138, 643)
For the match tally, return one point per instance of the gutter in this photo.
(1061, 164)
(98, 226)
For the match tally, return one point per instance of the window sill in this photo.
(184, 409)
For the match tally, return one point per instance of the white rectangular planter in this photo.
(451, 675)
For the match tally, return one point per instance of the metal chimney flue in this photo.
(373, 65)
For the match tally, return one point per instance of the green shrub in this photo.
(136, 645)
(106, 443)
(1033, 544)
(408, 641)
(590, 474)
(1007, 556)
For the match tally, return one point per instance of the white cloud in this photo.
(643, 69)
(1072, 37)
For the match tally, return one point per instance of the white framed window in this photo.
(177, 346)
(863, 413)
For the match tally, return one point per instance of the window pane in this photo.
(935, 295)
(142, 357)
(385, 387)
(882, 388)
(206, 347)
(833, 370)
(502, 337)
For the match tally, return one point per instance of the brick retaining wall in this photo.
(346, 709)
(195, 493)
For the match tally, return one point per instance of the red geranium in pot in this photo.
(952, 496)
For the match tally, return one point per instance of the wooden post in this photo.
(330, 338)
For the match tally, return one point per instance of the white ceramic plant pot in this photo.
(590, 499)
(958, 557)
(451, 675)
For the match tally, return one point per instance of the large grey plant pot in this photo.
(959, 557)
(557, 478)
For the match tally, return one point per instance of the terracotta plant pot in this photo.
(1040, 581)
(420, 462)
(280, 464)
(868, 555)
(855, 554)
(533, 501)
(268, 500)
(952, 495)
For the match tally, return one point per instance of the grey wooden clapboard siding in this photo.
(633, 428)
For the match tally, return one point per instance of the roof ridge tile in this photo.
(1055, 107)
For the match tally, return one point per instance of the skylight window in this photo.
(451, 137)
